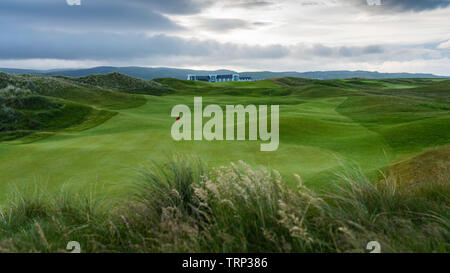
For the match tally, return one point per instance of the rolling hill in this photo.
(98, 124)
(82, 147)
(149, 73)
(35, 106)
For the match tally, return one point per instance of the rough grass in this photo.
(31, 114)
(34, 106)
(67, 89)
(184, 206)
(123, 83)
(427, 174)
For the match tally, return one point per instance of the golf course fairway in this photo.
(320, 130)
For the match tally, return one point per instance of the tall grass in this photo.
(184, 206)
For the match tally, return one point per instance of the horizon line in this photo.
(197, 69)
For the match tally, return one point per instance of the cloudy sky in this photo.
(244, 35)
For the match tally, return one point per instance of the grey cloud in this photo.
(366, 54)
(319, 50)
(262, 23)
(373, 49)
(19, 43)
(223, 24)
(175, 6)
(250, 4)
(311, 3)
(358, 51)
(101, 46)
(105, 15)
(227, 24)
(404, 5)
(107, 46)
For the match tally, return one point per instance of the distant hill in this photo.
(330, 75)
(149, 73)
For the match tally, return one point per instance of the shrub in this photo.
(184, 206)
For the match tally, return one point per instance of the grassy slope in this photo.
(428, 172)
(66, 89)
(35, 116)
(36, 106)
(123, 83)
(322, 124)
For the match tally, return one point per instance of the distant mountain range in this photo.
(148, 73)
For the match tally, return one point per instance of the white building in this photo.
(218, 78)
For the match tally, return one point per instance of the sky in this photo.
(242, 35)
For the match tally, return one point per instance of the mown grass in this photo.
(185, 206)
(321, 122)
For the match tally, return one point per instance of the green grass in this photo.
(36, 115)
(92, 133)
(184, 206)
(321, 124)
(67, 89)
(122, 83)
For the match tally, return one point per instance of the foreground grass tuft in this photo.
(184, 206)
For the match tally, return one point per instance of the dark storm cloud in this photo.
(405, 5)
(107, 15)
(103, 46)
(26, 44)
(112, 30)
(31, 44)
